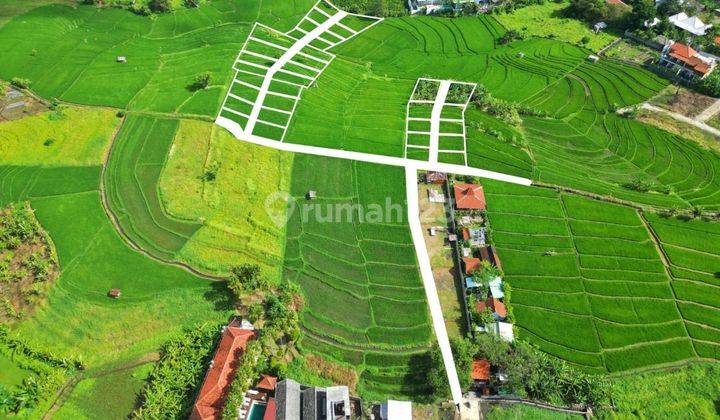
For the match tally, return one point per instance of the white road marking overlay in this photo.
(434, 133)
(435, 119)
(411, 166)
(285, 65)
(413, 208)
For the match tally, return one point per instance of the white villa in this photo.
(691, 24)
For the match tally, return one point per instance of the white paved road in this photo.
(411, 167)
(413, 208)
(435, 119)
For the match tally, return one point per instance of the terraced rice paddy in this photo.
(365, 304)
(692, 249)
(273, 68)
(71, 53)
(131, 179)
(588, 282)
(95, 259)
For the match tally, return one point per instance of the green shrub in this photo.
(20, 82)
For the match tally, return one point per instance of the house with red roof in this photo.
(480, 370)
(210, 400)
(497, 307)
(686, 62)
(471, 264)
(469, 196)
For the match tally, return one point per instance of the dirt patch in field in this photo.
(441, 260)
(682, 100)
(16, 104)
(340, 375)
(28, 263)
(667, 123)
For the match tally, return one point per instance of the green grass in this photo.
(112, 395)
(343, 265)
(520, 411)
(68, 137)
(131, 178)
(12, 373)
(236, 227)
(157, 300)
(70, 53)
(546, 20)
(687, 392)
(11, 8)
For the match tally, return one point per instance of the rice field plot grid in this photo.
(588, 283)
(365, 304)
(435, 121)
(692, 248)
(273, 69)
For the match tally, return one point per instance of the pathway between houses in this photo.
(411, 167)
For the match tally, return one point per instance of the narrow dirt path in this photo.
(709, 112)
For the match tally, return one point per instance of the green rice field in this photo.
(589, 284)
(605, 283)
(365, 303)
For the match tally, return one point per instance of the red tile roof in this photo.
(211, 398)
(495, 306)
(498, 307)
(270, 409)
(480, 370)
(469, 196)
(267, 382)
(687, 55)
(471, 264)
(466, 233)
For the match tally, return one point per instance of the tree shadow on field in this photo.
(416, 381)
(220, 295)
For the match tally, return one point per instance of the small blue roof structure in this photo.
(470, 283)
(496, 288)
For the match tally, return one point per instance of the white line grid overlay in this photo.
(272, 71)
(274, 68)
(443, 130)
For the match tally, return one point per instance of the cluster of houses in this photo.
(481, 266)
(274, 399)
(485, 307)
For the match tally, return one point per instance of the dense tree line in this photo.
(173, 382)
(49, 373)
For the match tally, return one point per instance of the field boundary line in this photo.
(121, 232)
(667, 264)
